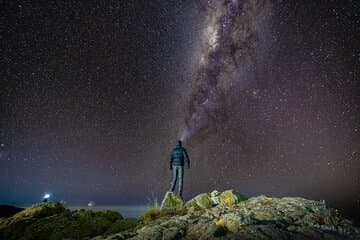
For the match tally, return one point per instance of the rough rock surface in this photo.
(230, 197)
(229, 215)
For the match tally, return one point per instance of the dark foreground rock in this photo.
(230, 215)
(7, 211)
(54, 221)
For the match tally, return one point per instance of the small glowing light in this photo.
(46, 196)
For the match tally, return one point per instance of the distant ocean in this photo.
(126, 211)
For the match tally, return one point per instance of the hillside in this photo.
(215, 215)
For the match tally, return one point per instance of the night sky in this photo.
(94, 95)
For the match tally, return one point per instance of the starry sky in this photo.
(94, 95)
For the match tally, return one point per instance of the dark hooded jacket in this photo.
(178, 155)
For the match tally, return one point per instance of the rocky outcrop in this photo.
(208, 200)
(230, 197)
(215, 215)
(201, 201)
(230, 215)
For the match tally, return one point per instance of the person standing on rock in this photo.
(178, 156)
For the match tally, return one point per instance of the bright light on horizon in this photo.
(46, 195)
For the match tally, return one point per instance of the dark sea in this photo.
(127, 211)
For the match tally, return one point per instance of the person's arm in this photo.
(171, 160)
(187, 157)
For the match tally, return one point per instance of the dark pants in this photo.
(178, 172)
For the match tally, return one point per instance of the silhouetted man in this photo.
(178, 155)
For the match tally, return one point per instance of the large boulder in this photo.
(230, 197)
(171, 202)
(294, 210)
(209, 200)
(201, 201)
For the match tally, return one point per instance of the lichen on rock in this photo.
(201, 201)
(233, 216)
(230, 197)
(171, 202)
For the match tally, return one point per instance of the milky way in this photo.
(232, 32)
